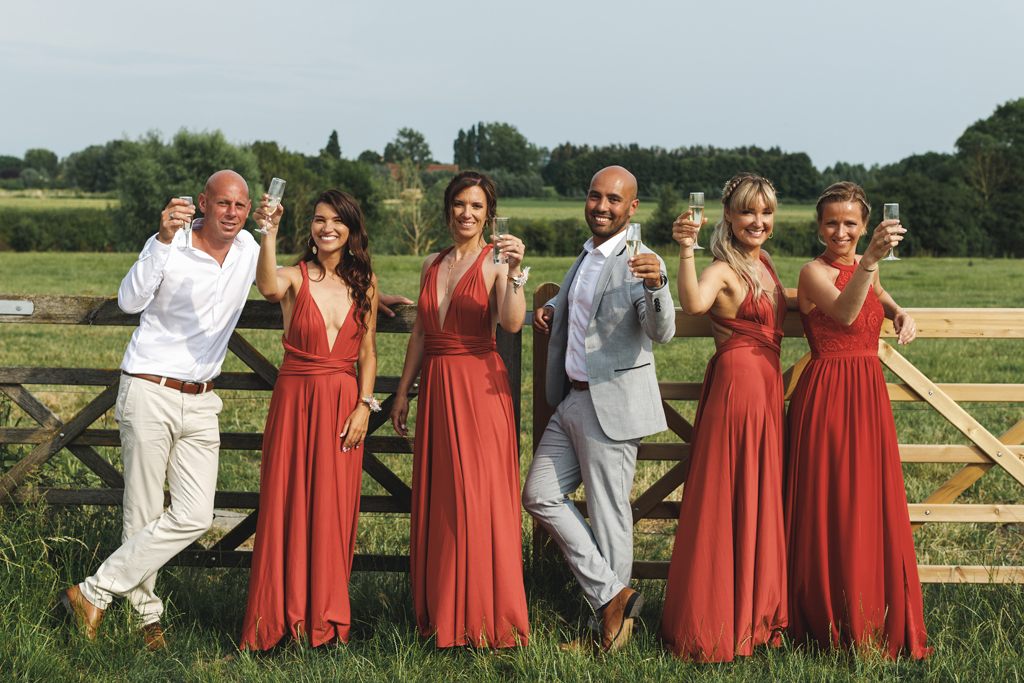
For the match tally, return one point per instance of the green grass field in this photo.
(976, 629)
(44, 200)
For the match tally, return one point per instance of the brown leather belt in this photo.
(580, 386)
(177, 385)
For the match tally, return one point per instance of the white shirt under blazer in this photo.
(190, 305)
(624, 319)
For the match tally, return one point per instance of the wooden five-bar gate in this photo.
(52, 435)
(985, 451)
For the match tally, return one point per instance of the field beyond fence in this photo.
(975, 629)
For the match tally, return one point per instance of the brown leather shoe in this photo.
(617, 619)
(87, 616)
(153, 635)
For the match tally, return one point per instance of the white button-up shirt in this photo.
(190, 305)
(581, 299)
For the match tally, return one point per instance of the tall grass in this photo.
(976, 629)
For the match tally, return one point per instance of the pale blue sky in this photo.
(865, 82)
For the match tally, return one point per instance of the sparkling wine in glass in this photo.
(891, 212)
(632, 245)
(274, 194)
(697, 207)
(498, 228)
(188, 226)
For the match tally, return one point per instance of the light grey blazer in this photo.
(624, 319)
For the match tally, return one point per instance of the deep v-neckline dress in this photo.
(852, 567)
(726, 589)
(466, 538)
(309, 488)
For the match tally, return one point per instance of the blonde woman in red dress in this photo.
(726, 590)
(853, 577)
(466, 537)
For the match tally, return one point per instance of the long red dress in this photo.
(852, 569)
(726, 590)
(309, 488)
(466, 544)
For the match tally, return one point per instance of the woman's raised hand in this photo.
(685, 230)
(888, 234)
(269, 220)
(511, 247)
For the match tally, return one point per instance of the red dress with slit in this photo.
(309, 488)
(726, 589)
(466, 537)
(852, 568)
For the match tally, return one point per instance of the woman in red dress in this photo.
(466, 537)
(312, 445)
(852, 569)
(726, 590)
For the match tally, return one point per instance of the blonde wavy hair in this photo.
(741, 192)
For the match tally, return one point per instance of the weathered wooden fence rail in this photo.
(985, 451)
(52, 435)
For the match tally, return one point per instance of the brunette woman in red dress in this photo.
(312, 445)
(726, 590)
(466, 537)
(853, 577)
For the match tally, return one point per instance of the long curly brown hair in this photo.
(354, 268)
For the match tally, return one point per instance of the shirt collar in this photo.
(609, 247)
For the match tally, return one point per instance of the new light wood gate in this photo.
(985, 451)
(52, 435)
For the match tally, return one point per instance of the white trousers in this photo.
(164, 434)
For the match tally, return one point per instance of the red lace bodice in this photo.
(825, 335)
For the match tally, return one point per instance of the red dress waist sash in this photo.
(450, 344)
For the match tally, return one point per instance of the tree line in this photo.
(967, 203)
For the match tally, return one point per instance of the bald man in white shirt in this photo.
(190, 296)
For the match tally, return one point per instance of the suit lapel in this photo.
(602, 281)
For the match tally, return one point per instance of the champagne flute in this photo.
(891, 212)
(632, 245)
(188, 226)
(498, 228)
(274, 194)
(697, 207)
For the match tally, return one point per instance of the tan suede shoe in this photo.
(153, 635)
(617, 619)
(87, 616)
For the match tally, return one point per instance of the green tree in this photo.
(658, 230)
(490, 146)
(94, 169)
(333, 148)
(43, 160)
(409, 145)
(151, 173)
(10, 167)
(370, 157)
(992, 152)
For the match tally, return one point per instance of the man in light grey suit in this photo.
(601, 377)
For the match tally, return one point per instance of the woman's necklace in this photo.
(451, 267)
